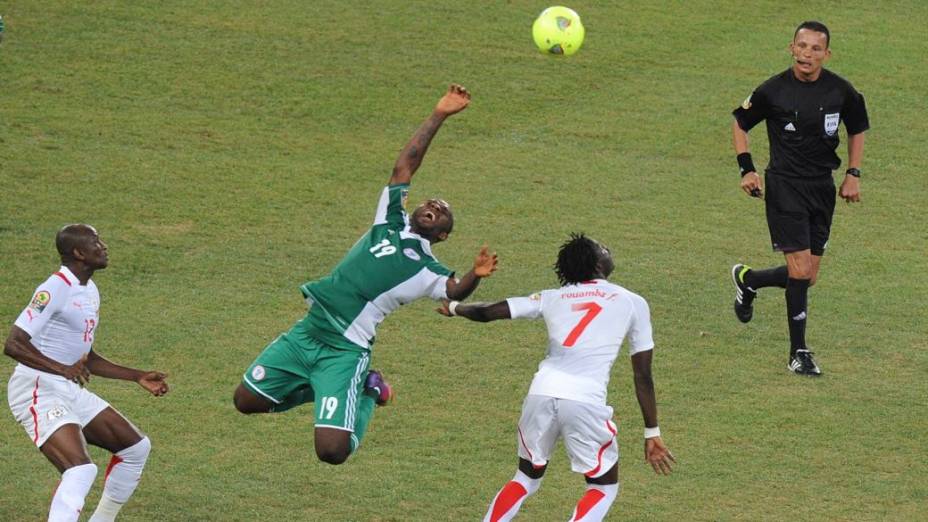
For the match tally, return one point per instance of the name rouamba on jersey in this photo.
(587, 324)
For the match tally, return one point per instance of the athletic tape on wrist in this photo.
(452, 306)
(650, 433)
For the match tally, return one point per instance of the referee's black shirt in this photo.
(802, 121)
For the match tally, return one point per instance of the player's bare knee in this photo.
(332, 455)
(245, 402)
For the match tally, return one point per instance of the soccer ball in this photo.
(558, 30)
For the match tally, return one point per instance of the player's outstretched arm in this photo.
(480, 312)
(655, 452)
(154, 382)
(454, 101)
(19, 347)
(484, 266)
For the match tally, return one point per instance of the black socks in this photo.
(797, 300)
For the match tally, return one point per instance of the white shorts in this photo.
(43, 402)
(587, 430)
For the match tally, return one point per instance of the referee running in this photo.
(803, 107)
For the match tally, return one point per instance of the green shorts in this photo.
(332, 378)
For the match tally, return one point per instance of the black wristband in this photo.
(745, 163)
(853, 171)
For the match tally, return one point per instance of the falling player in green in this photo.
(325, 357)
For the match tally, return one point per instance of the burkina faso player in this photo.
(325, 357)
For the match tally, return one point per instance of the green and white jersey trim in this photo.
(387, 267)
(425, 283)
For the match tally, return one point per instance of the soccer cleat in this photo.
(802, 363)
(744, 295)
(378, 387)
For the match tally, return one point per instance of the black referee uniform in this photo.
(802, 127)
(803, 118)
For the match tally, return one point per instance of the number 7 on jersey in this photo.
(592, 310)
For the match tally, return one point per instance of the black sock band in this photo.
(797, 300)
(770, 277)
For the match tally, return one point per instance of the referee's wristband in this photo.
(452, 306)
(745, 163)
(650, 433)
(853, 171)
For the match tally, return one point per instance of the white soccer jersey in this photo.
(586, 323)
(62, 317)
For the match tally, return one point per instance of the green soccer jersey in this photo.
(388, 267)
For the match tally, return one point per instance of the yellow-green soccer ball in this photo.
(558, 30)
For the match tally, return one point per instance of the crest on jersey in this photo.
(258, 373)
(831, 123)
(411, 254)
(40, 301)
(746, 104)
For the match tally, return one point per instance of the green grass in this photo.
(229, 151)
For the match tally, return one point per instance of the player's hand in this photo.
(752, 185)
(77, 372)
(154, 382)
(658, 456)
(850, 189)
(443, 309)
(454, 101)
(485, 262)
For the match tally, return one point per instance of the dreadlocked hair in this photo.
(577, 259)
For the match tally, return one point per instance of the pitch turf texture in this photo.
(229, 151)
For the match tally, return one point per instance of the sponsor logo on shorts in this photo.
(411, 254)
(258, 373)
(831, 123)
(56, 412)
(746, 104)
(40, 301)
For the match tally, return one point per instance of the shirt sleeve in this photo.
(753, 110)
(525, 307)
(855, 112)
(640, 338)
(391, 207)
(47, 300)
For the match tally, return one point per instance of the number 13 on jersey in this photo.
(591, 310)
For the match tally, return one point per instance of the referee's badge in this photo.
(831, 123)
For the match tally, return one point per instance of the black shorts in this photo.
(799, 212)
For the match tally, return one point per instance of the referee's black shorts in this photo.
(799, 212)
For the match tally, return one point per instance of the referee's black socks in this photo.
(756, 279)
(797, 300)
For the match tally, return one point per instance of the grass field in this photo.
(229, 151)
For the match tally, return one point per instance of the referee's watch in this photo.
(853, 171)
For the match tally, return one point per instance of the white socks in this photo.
(122, 477)
(595, 503)
(507, 502)
(72, 490)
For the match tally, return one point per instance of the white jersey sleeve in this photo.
(639, 335)
(525, 307)
(49, 298)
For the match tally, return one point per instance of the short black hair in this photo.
(577, 259)
(816, 26)
(70, 237)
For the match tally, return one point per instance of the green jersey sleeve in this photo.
(391, 209)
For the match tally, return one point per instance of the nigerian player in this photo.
(325, 357)
(588, 317)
